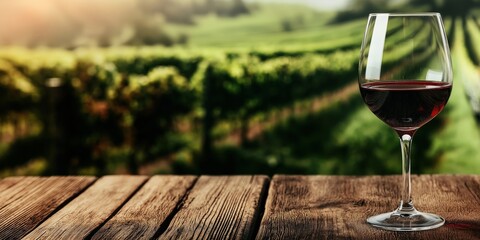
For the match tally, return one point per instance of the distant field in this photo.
(267, 26)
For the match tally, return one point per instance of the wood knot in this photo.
(359, 203)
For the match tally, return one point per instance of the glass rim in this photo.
(419, 14)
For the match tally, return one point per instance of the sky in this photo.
(35, 19)
(319, 4)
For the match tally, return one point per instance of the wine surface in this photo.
(405, 105)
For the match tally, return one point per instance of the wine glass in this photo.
(405, 78)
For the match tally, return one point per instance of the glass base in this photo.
(400, 221)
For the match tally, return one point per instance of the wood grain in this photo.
(11, 193)
(89, 210)
(9, 182)
(335, 207)
(28, 201)
(224, 207)
(142, 216)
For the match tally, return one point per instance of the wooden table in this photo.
(229, 207)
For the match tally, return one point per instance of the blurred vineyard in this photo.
(233, 109)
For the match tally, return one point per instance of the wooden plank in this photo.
(222, 207)
(89, 210)
(9, 182)
(144, 213)
(30, 200)
(336, 207)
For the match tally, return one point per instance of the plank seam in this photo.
(62, 205)
(95, 230)
(257, 218)
(163, 227)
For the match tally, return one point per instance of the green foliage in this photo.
(155, 101)
(467, 72)
(457, 8)
(16, 92)
(143, 59)
(133, 97)
(456, 143)
(87, 105)
(472, 37)
(252, 86)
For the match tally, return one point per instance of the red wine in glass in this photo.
(406, 105)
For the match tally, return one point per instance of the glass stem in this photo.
(406, 204)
